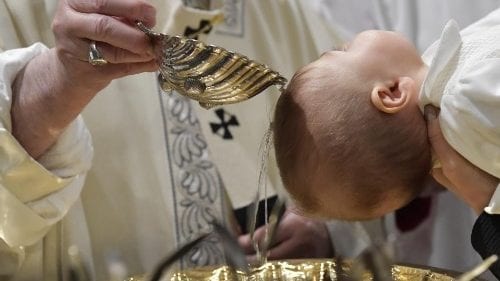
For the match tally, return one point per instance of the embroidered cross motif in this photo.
(204, 27)
(226, 120)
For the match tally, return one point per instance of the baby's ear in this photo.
(391, 97)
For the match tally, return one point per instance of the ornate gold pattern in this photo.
(209, 74)
(301, 270)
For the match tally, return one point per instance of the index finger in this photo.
(132, 10)
(246, 244)
(284, 250)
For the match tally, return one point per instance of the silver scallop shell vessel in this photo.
(209, 74)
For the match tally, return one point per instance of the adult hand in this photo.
(55, 86)
(296, 237)
(111, 24)
(468, 182)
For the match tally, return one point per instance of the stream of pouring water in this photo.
(264, 149)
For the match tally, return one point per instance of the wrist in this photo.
(480, 196)
(45, 100)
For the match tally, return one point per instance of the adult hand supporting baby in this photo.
(296, 237)
(474, 186)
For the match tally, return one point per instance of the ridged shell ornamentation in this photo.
(209, 74)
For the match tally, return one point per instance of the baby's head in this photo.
(350, 140)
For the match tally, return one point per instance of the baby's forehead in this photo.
(326, 59)
(318, 69)
(319, 76)
(327, 54)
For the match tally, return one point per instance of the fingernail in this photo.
(429, 112)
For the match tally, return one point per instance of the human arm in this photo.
(474, 186)
(56, 85)
(36, 194)
(42, 92)
(296, 237)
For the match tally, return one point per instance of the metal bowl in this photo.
(209, 74)
(302, 270)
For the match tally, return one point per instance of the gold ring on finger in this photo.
(95, 56)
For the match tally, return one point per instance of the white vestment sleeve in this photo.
(493, 207)
(35, 195)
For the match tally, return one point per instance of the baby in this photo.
(350, 137)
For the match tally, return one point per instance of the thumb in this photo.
(437, 174)
(246, 243)
(433, 128)
(435, 135)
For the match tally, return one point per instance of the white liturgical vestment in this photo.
(152, 185)
(463, 80)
